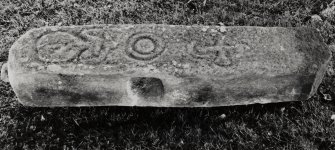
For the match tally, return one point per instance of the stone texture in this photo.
(4, 72)
(166, 65)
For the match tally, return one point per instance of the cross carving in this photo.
(221, 52)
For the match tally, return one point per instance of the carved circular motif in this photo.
(58, 47)
(144, 46)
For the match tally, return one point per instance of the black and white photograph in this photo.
(167, 74)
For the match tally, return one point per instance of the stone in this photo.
(316, 18)
(4, 72)
(222, 116)
(166, 65)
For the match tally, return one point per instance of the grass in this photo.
(294, 125)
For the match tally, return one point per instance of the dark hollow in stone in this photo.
(147, 87)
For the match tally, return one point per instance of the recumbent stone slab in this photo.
(166, 65)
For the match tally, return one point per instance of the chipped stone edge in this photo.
(321, 72)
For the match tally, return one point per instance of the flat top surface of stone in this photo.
(180, 50)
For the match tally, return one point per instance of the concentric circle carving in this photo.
(144, 46)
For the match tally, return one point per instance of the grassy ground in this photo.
(295, 125)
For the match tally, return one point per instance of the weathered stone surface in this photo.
(166, 65)
(4, 72)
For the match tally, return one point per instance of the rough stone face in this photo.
(166, 65)
(4, 72)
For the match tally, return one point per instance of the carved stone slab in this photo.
(166, 65)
